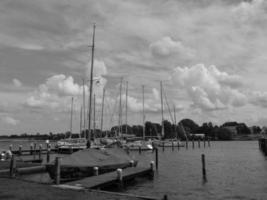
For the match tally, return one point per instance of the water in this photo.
(235, 170)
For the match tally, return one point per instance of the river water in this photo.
(235, 170)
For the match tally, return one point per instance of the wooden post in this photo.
(198, 143)
(163, 146)
(20, 150)
(40, 151)
(48, 155)
(34, 150)
(31, 148)
(10, 147)
(119, 177)
(128, 150)
(172, 146)
(96, 171)
(131, 163)
(178, 145)
(165, 197)
(203, 168)
(193, 143)
(57, 168)
(152, 167)
(157, 158)
(186, 143)
(12, 169)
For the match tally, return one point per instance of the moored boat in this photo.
(81, 163)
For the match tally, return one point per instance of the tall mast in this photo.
(174, 113)
(91, 87)
(143, 92)
(126, 105)
(71, 111)
(162, 120)
(120, 109)
(94, 119)
(81, 121)
(84, 108)
(102, 110)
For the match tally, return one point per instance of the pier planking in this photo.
(111, 178)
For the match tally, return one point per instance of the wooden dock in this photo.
(109, 179)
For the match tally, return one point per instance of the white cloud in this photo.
(100, 68)
(17, 82)
(61, 85)
(9, 120)
(156, 94)
(209, 88)
(166, 47)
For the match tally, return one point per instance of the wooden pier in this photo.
(109, 179)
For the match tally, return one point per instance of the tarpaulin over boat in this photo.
(96, 157)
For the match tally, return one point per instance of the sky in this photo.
(209, 54)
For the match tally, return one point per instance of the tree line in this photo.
(185, 129)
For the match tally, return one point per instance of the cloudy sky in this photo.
(210, 55)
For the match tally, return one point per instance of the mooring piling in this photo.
(96, 171)
(10, 147)
(57, 167)
(198, 143)
(157, 157)
(186, 143)
(20, 150)
(31, 148)
(48, 155)
(40, 151)
(165, 197)
(203, 168)
(193, 143)
(208, 141)
(12, 169)
(131, 163)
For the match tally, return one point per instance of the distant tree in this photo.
(189, 125)
(256, 129)
(242, 129)
(224, 134)
(230, 124)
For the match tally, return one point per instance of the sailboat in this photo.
(142, 144)
(168, 142)
(69, 145)
(81, 163)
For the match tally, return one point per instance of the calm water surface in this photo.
(235, 170)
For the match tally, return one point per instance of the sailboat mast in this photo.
(174, 113)
(126, 105)
(162, 120)
(120, 110)
(71, 112)
(143, 92)
(84, 120)
(94, 119)
(102, 110)
(81, 121)
(91, 87)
